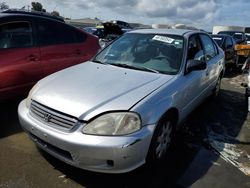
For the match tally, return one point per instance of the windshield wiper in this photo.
(134, 67)
(149, 69)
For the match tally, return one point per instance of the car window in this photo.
(161, 53)
(52, 33)
(238, 36)
(229, 43)
(218, 40)
(209, 47)
(16, 35)
(195, 50)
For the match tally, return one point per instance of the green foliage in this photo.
(36, 6)
(3, 6)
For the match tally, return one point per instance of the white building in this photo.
(217, 29)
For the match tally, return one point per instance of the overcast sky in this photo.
(199, 13)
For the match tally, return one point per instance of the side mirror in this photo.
(195, 65)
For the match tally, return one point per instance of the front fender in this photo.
(153, 108)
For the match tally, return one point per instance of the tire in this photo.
(161, 141)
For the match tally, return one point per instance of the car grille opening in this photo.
(52, 117)
(56, 150)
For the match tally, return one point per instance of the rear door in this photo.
(19, 57)
(57, 46)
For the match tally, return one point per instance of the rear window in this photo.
(53, 33)
(16, 35)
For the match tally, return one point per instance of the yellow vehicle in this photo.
(244, 50)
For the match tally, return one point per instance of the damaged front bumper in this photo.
(108, 154)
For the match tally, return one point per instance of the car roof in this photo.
(164, 31)
(17, 12)
(230, 32)
(221, 35)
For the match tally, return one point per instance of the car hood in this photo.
(89, 89)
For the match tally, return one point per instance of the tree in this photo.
(55, 13)
(3, 6)
(36, 6)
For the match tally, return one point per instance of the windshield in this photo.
(146, 52)
(238, 36)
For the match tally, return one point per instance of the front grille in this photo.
(52, 117)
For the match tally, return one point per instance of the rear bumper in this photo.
(108, 154)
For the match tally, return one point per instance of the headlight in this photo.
(28, 99)
(117, 123)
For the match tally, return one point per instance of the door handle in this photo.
(32, 57)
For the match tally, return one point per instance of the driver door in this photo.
(194, 83)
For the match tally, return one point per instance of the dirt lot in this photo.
(212, 150)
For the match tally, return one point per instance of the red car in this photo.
(34, 45)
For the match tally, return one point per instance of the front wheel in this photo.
(161, 140)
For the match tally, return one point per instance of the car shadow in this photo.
(9, 123)
(227, 114)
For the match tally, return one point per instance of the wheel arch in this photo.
(172, 113)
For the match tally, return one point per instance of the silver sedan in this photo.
(120, 110)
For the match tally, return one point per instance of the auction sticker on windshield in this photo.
(163, 39)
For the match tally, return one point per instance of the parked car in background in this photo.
(89, 29)
(227, 44)
(121, 24)
(34, 45)
(111, 32)
(97, 31)
(248, 38)
(239, 37)
(121, 109)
